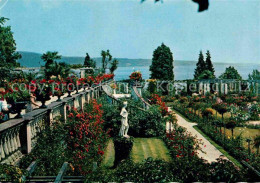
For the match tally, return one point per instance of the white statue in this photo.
(124, 121)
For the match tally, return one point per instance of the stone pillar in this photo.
(256, 88)
(239, 87)
(226, 89)
(222, 89)
(82, 73)
(127, 88)
(26, 136)
(204, 88)
(82, 101)
(64, 111)
(200, 87)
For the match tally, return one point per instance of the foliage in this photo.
(49, 151)
(86, 137)
(50, 57)
(8, 54)
(113, 67)
(136, 76)
(208, 64)
(206, 74)
(162, 64)
(10, 173)
(255, 75)
(230, 73)
(156, 99)
(123, 147)
(200, 66)
(89, 62)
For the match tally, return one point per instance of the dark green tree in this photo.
(162, 64)
(208, 63)
(106, 58)
(113, 66)
(50, 57)
(89, 62)
(255, 75)
(201, 66)
(51, 66)
(8, 54)
(230, 73)
(206, 74)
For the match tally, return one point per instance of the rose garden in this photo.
(58, 126)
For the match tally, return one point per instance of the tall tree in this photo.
(162, 63)
(113, 66)
(208, 63)
(255, 75)
(89, 62)
(106, 58)
(8, 54)
(201, 66)
(51, 66)
(230, 73)
(50, 57)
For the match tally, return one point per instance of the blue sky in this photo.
(230, 29)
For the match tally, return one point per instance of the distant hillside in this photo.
(30, 59)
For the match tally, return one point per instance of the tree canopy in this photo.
(162, 63)
(255, 75)
(50, 57)
(230, 73)
(209, 65)
(200, 66)
(8, 54)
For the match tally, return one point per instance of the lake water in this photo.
(182, 71)
(186, 71)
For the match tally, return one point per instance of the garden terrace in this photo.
(18, 136)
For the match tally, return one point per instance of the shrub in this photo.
(123, 147)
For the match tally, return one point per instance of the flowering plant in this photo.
(136, 76)
(2, 115)
(156, 99)
(86, 138)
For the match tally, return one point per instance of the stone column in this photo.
(226, 88)
(26, 136)
(64, 111)
(256, 88)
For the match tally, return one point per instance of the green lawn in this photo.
(143, 148)
(149, 147)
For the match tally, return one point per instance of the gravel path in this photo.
(210, 152)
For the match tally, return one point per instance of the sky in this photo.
(230, 29)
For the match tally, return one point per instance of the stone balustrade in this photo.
(19, 136)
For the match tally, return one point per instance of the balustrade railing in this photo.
(19, 136)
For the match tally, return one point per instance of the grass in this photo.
(143, 148)
(220, 148)
(109, 155)
(149, 147)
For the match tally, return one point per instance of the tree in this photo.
(51, 66)
(200, 66)
(106, 58)
(89, 62)
(208, 64)
(162, 64)
(206, 74)
(113, 67)
(50, 57)
(255, 75)
(230, 73)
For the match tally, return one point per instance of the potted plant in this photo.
(43, 92)
(59, 89)
(136, 77)
(17, 98)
